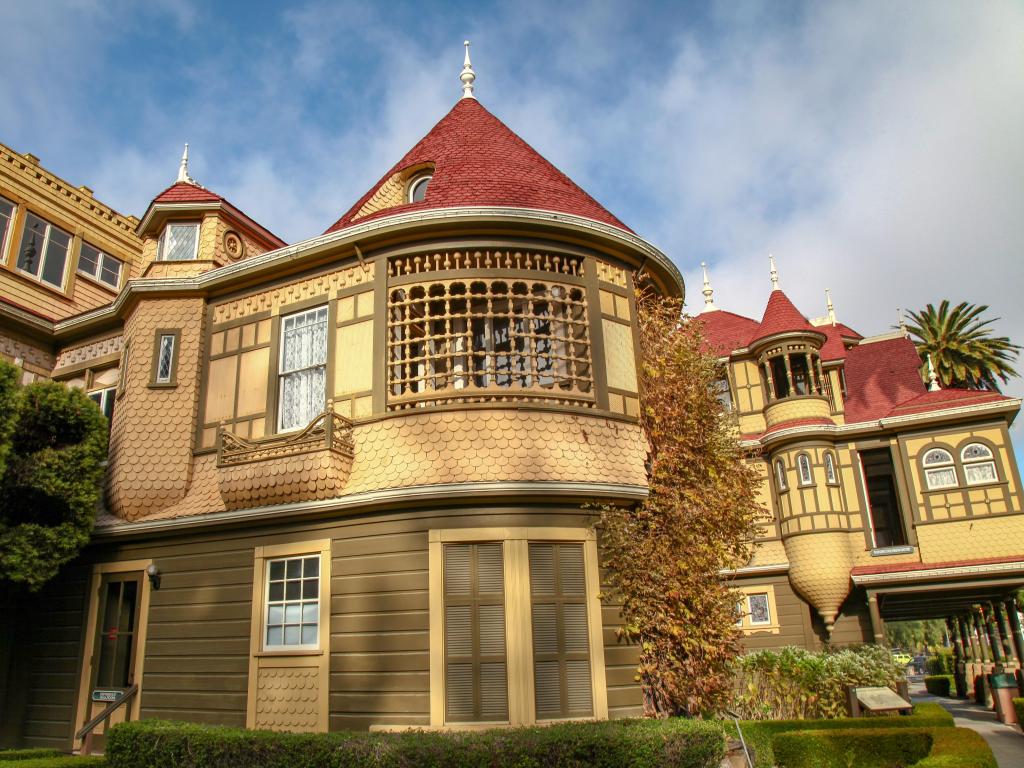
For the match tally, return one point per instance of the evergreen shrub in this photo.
(940, 663)
(1018, 706)
(939, 685)
(883, 748)
(28, 754)
(675, 743)
(52, 760)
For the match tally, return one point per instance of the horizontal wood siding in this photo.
(197, 650)
(56, 623)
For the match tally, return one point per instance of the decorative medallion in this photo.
(234, 246)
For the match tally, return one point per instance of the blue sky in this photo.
(875, 147)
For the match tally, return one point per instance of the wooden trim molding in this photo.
(518, 624)
(315, 663)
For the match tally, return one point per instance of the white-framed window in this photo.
(803, 465)
(100, 266)
(418, 188)
(6, 219)
(723, 393)
(759, 609)
(939, 471)
(830, 469)
(303, 368)
(105, 398)
(292, 603)
(179, 242)
(165, 358)
(979, 464)
(780, 475)
(44, 251)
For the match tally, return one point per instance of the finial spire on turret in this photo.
(709, 293)
(183, 168)
(933, 378)
(774, 273)
(468, 76)
(829, 306)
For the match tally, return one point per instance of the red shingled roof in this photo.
(183, 192)
(478, 160)
(725, 331)
(833, 348)
(863, 570)
(781, 316)
(879, 375)
(945, 398)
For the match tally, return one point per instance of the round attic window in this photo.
(418, 188)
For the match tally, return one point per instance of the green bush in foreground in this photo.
(759, 733)
(58, 760)
(1018, 706)
(863, 748)
(883, 748)
(941, 662)
(674, 743)
(939, 685)
(28, 754)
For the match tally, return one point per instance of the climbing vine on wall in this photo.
(666, 555)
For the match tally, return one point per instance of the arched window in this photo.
(830, 469)
(979, 464)
(938, 469)
(418, 188)
(780, 475)
(803, 466)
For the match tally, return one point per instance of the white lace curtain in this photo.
(303, 367)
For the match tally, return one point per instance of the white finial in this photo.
(709, 293)
(468, 76)
(933, 379)
(183, 168)
(829, 306)
(901, 322)
(775, 273)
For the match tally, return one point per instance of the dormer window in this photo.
(418, 188)
(179, 242)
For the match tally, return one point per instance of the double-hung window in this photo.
(303, 368)
(100, 266)
(44, 251)
(179, 242)
(104, 398)
(293, 603)
(6, 217)
(939, 471)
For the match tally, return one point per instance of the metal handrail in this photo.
(85, 732)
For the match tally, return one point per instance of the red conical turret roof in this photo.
(781, 316)
(478, 160)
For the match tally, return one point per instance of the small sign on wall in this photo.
(100, 695)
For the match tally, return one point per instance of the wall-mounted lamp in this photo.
(154, 575)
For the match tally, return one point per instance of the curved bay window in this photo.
(495, 339)
(793, 370)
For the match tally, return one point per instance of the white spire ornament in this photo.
(829, 306)
(183, 176)
(774, 273)
(468, 76)
(709, 293)
(901, 323)
(933, 378)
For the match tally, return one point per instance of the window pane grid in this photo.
(293, 602)
(179, 242)
(760, 613)
(472, 339)
(44, 251)
(6, 214)
(99, 266)
(163, 372)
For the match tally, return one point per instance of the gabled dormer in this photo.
(189, 229)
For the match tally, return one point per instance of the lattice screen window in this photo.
(476, 668)
(979, 464)
(561, 647)
(479, 339)
(939, 470)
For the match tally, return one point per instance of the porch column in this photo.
(969, 639)
(976, 623)
(1009, 653)
(994, 641)
(877, 626)
(1015, 626)
(771, 381)
(958, 644)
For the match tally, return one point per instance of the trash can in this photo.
(1004, 690)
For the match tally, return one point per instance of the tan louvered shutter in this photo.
(476, 672)
(561, 647)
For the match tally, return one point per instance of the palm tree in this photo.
(964, 351)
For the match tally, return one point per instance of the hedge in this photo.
(939, 685)
(883, 748)
(759, 733)
(59, 760)
(1018, 705)
(28, 754)
(677, 743)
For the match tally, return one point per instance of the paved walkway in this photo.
(1006, 741)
